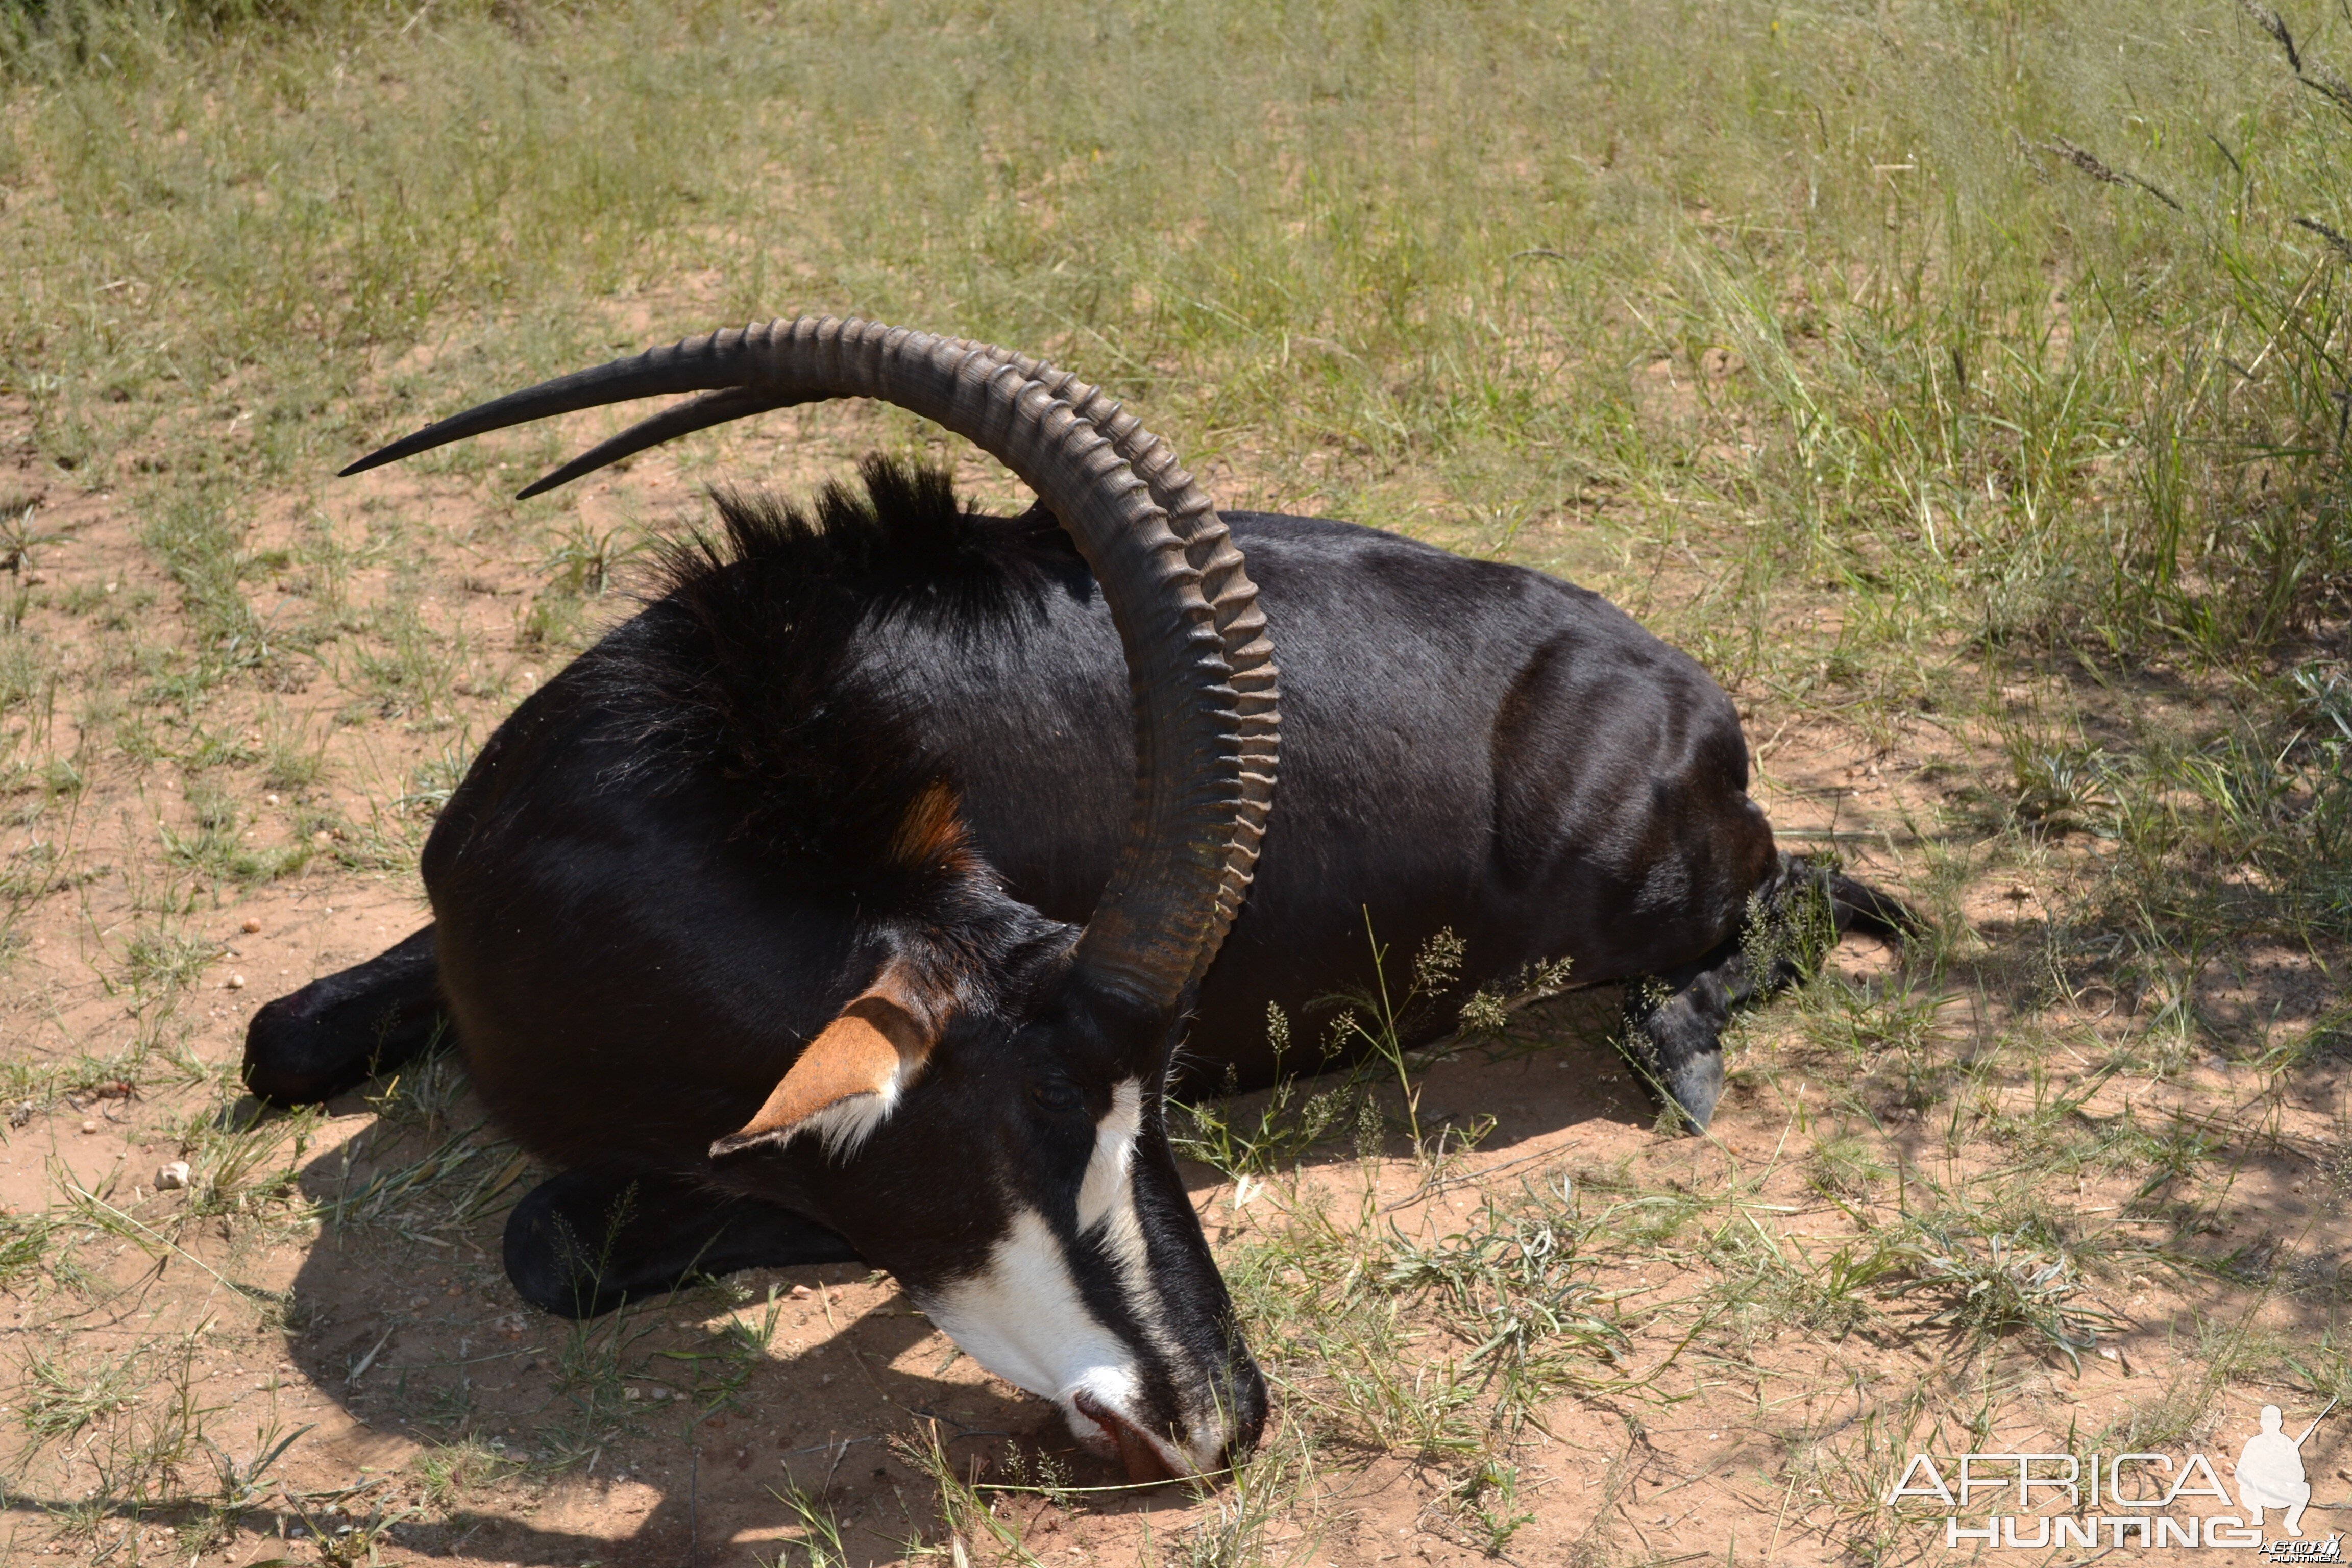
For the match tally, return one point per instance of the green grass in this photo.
(1372, 240)
(1965, 384)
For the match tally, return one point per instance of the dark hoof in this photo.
(1677, 1044)
(1694, 1087)
(586, 1242)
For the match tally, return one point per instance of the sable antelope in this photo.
(856, 831)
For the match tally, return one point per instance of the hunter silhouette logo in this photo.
(2270, 1470)
(2129, 1500)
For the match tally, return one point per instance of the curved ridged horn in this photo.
(1205, 723)
(1192, 517)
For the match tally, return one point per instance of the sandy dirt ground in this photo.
(370, 1390)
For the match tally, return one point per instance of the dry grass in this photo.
(1965, 385)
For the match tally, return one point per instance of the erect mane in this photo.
(742, 669)
(902, 541)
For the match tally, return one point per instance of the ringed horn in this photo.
(1200, 665)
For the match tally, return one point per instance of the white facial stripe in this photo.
(1107, 1216)
(1106, 1184)
(1022, 1318)
(1107, 1209)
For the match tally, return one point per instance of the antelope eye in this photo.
(1059, 1098)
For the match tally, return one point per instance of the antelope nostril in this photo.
(1138, 1453)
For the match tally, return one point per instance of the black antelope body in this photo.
(850, 900)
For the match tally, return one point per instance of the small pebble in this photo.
(237, 982)
(251, 925)
(270, 798)
(89, 1126)
(172, 1177)
(802, 1292)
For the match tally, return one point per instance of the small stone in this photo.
(270, 798)
(630, 1394)
(171, 1178)
(89, 1126)
(252, 924)
(802, 1292)
(237, 982)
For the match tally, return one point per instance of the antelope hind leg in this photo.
(1675, 1021)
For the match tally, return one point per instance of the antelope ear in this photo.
(847, 1081)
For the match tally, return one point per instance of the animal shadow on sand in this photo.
(661, 1433)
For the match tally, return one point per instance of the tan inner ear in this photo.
(860, 1052)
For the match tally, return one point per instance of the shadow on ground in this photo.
(672, 1432)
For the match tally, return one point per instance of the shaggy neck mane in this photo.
(743, 674)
